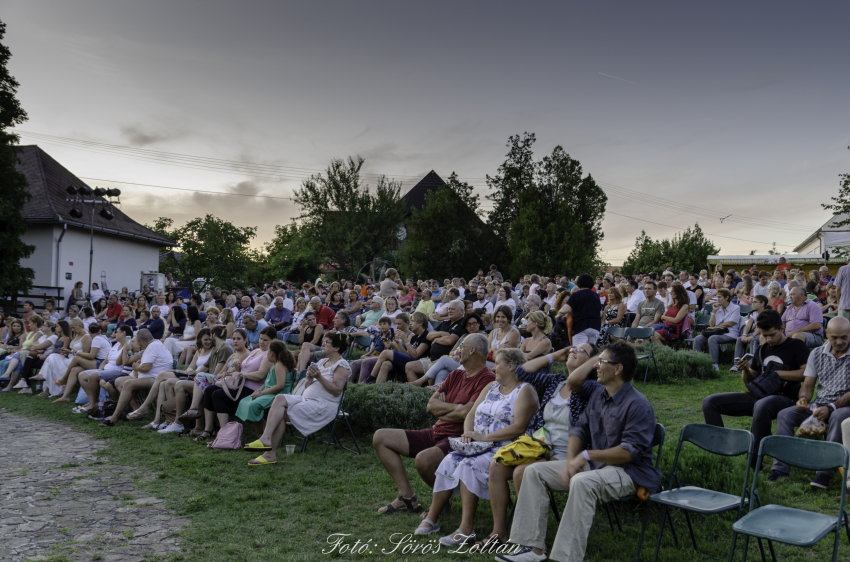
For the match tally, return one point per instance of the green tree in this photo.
(841, 206)
(14, 278)
(447, 236)
(350, 224)
(291, 254)
(209, 248)
(687, 251)
(549, 214)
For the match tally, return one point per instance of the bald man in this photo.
(828, 367)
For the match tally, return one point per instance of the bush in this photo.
(675, 365)
(373, 406)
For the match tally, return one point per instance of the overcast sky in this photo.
(736, 108)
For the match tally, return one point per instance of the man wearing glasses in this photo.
(604, 462)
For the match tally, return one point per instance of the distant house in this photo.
(827, 238)
(416, 196)
(122, 247)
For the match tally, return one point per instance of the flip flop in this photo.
(256, 446)
(61, 400)
(137, 415)
(261, 460)
(107, 423)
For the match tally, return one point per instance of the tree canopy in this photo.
(350, 224)
(291, 254)
(686, 251)
(448, 237)
(14, 278)
(548, 213)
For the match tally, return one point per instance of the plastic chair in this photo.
(293, 339)
(644, 334)
(618, 332)
(363, 341)
(745, 309)
(708, 308)
(788, 525)
(715, 440)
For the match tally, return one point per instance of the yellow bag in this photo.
(524, 450)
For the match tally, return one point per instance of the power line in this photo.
(187, 189)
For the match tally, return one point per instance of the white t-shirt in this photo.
(634, 300)
(111, 363)
(486, 305)
(441, 308)
(287, 303)
(163, 310)
(693, 298)
(102, 344)
(511, 303)
(159, 357)
(533, 289)
(96, 295)
(394, 314)
(461, 291)
(88, 322)
(667, 300)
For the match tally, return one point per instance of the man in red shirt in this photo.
(450, 405)
(324, 315)
(783, 266)
(28, 311)
(113, 312)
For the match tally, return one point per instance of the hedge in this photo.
(675, 365)
(371, 407)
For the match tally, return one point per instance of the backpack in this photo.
(229, 437)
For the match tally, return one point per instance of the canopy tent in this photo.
(804, 261)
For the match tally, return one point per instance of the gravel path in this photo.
(57, 498)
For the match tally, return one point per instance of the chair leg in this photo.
(772, 553)
(691, 531)
(353, 438)
(608, 513)
(847, 527)
(746, 546)
(554, 506)
(835, 546)
(734, 542)
(673, 529)
(657, 372)
(643, 530)
(330, 438)
(646, 372)
(617, 517)
(660, 533)
(761, 549)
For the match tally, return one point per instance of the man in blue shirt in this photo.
(152, 322)
(278, 316)
(604, 462)
(252, 328)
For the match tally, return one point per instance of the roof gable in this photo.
(48, 180)
(416, 196)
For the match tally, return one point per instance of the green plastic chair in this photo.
(745, 309)
(293, 339)
(708, 308)
(618, 332)
(434, 323)
(788, 525)
(644, 334)
(363, 341)
(715, 440)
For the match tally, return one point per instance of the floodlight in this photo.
(107, 214)
(76, 213)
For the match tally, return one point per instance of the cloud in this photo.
(138, 135)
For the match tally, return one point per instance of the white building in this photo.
(122, 247)
(827, 238)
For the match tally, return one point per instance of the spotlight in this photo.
(84, 190)
(71, 190)
(76, 213)
(99, 191)
(106, 214)
(113, 192)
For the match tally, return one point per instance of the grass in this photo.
(288, 511)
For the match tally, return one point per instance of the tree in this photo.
(291, 254)
(447, 236)
(350, 224)
(14, 278)
(687, 251)
(211, 249)
(841, 206)
(549, 214)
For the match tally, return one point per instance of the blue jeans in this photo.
(441, 368)
(789, 418)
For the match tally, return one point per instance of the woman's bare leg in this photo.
(72, 381)
(154, 393)
(304, 355)
(499, 495)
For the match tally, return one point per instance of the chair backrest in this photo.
(703, 319)
(708, 308)
(745, 309)
(718, 440)
(658, 441)
(640, 333)
(363, 341)
(617, 332)
(293, 339)
(805, 453)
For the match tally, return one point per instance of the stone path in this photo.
(59, 502)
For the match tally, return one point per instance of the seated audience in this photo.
(371, 316)
(280, 380)
(505, 299)
(651, 309)
(441, 368)
(110, 369)
(749, 337)
(150, 321)
(246, 309)
(539, 326)
(674, 322)
(613, 315)
(503, 334)
(324, 315)
(828, 370)
(500, 414)
(778, 356)
(315, 408)
(278, 316)
(604, 462)
(401, 350)
(429, 446)
(584, 306)
(57, 363)
(829, 305)
(191, 325)
(775, 297)
(95, 348)
(722, 327)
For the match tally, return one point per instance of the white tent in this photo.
(827, 238)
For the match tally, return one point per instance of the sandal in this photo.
(202, 436)
(137, 414)
(446, 509)
(61, 400)
(429, 530)
(189, 415)
(261, 460)
(491, 541)
(256, 446)
(408, 505)
(107, 423)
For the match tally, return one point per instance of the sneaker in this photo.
(523, 554)
(162, 425)
(775, 475)
(462, 540)
(715, 366)
(821, 481)
(734, 369)
(172, 428)
(21, 384)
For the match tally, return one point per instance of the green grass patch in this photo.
(287, 511)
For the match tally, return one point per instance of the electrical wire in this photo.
(187, 189)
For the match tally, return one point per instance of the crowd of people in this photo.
(484, 347)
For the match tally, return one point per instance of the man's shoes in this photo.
(450, 540)
(775, 475)
(172, 428)
(522, 554)
(715, 366)
(821, 481)
(734, 369)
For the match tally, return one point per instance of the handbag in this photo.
(233, 384)
(767, 383)
(525, 449)
(229, 437)
(471, 449)
(708, 332)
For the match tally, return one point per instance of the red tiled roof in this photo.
(48, 180)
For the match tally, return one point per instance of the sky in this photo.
(684, 112)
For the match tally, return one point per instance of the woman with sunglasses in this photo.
(564, 399)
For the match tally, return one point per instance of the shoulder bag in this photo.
(766, 384)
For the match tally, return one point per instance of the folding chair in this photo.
(745, 309)
(434, 323)
(715, 440)
(618, 332)
(363, 341)
(340, 414)
(788, 525)
(293, 339)
(708, 308)
(643, 334)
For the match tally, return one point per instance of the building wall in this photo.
(121, 259)
(812, 247)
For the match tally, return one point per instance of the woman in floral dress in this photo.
(501, 413)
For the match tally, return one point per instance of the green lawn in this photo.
(287, 511)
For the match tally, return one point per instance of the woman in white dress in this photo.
(501, 413)
(96, 347)
(193, 326)
(312, 410)
(57, 363)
